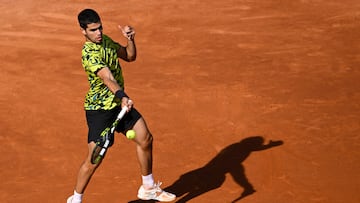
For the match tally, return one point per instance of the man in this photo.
(104, 100)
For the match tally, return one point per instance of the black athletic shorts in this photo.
(98, 120)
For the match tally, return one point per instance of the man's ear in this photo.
(83, 31)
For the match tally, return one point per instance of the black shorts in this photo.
(98, 120)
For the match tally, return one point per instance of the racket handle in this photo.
(123, 111)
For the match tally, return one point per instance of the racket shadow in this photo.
(212, 175)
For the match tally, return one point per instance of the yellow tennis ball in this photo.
(130, 134)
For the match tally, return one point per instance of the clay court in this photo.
(216, 81)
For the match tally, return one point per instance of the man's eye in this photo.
(99, 28)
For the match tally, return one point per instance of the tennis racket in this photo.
(103, 143)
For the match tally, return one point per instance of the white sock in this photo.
(148, 181)
(77, 197)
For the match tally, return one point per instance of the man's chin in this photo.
(98, 41)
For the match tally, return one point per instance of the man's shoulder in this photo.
(89, 46)
(91, 49)
(106, 38)
(108, 42)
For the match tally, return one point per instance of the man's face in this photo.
(93, 32)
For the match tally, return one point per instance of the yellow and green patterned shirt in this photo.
(95, 57)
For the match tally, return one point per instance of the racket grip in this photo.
(123, 111)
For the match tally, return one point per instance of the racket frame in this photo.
(99, 151)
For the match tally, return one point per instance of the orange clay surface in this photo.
(215, 81)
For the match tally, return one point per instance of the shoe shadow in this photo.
(142, 201)
(212, 175)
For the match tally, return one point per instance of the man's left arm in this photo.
(128, 53)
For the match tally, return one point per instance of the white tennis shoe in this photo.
(155, 193)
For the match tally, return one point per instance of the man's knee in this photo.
(147, 142)
(88, 167)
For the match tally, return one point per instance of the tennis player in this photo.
(104, 100)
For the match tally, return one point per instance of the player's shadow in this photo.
(212, 175)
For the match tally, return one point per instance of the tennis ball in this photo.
(130, 134)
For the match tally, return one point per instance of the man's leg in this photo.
(143, 140)
(86, 171)
(149, 190)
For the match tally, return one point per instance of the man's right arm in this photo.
(109, 80)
